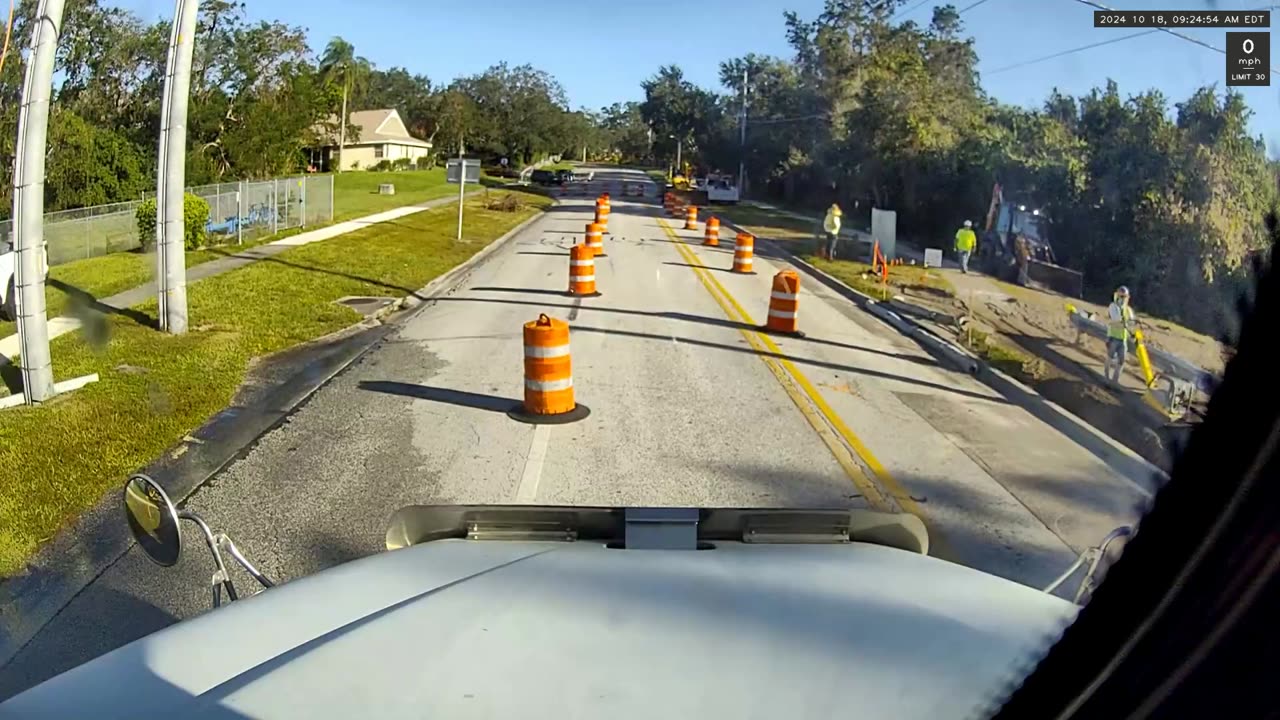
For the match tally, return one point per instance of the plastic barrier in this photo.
(743, 253)
(712, 237)
(582, 271)
(784, 303)
(548, 375)
(595, 238)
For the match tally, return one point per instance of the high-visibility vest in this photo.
(965, 240)
(1120, 317)
(831, 223)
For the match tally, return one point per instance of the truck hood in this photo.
(459, 629)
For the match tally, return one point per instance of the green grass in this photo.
(1006, 359)
(107, 275)
(859, 276)
(355, 193)
(59, 459)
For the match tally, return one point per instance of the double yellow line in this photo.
(883, 493)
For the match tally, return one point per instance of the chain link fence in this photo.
(238, 212)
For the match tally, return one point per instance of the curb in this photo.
(1145, 476)
(79, 553)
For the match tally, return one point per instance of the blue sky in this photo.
(601, 51)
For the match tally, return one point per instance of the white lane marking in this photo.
(532, 475)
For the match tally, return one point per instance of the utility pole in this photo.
(679, 165)
(742, 139)
(171, 275)
(28, 205)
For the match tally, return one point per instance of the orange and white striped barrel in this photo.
(677, 207)
(784, 302)
(712, 237)
(743, 253)
(691, 218)
(548, 380)
(602, 213)
(602, 218)
(582, 270)
(595, 238)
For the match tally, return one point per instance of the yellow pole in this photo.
(1143, 359)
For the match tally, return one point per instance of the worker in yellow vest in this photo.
(966, 240)
(1120, 326)
(831, 226)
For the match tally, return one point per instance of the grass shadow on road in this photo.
(492, 403)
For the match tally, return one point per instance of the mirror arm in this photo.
(220, 577)
(230, 546)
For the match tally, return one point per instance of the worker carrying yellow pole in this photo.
(1120, 325)
(831, 226)
(966, 240)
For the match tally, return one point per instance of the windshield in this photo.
(977, 263)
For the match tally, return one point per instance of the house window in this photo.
(378, 151)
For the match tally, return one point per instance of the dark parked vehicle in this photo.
(564, 176)
(544, 177)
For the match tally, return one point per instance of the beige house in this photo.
(381, 136)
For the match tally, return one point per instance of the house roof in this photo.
(378, 127)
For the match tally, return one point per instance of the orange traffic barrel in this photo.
(582, 271)
(783, 304)
(602, 212)
(602, 218)
(595, 238)
(712, 237)
(691, 218)
(743, 252)
(548, 376)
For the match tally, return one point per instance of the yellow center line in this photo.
(734, 310)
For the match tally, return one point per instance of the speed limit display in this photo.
(1248, 58)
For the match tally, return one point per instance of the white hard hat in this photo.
(968, 223)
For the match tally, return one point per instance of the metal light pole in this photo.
(28, 205)
(171, 270)
(742, 140)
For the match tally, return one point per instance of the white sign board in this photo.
(884, 229)
(933, 257)
(472, 170)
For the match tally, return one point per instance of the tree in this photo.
(341, 66)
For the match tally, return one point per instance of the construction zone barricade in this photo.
(712, 236)
(691, 218)
(784, 304)
(744, 254)
(582, 271)
(595, 238)
(548, 375)
(602, 214)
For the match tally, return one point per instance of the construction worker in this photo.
(1120, 325)
(1022, 252)
(966, 240)
(831, 226)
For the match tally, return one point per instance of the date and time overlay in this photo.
(1248, 50)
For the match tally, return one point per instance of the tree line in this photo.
(260, 97)
(1168, 199)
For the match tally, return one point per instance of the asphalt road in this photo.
(689, 406)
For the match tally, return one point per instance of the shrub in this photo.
(195, 218)
(381, 166)
(402, 163)
(503, 202)
(426, 162)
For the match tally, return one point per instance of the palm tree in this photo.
(340, 64)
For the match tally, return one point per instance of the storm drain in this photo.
(366, 306)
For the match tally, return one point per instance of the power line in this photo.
(967, 9)
(908, 11)
(1090, 46)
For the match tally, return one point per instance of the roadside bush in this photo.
(381, 166)
(402, 163)
(426, 163)
(195, 217)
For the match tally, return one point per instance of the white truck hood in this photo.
(469, 629)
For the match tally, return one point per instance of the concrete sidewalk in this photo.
(58, 326)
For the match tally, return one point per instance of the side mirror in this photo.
(153, 520)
